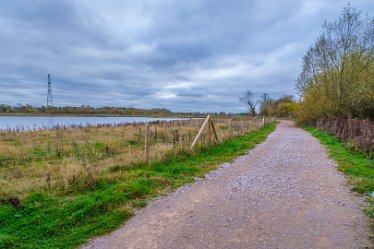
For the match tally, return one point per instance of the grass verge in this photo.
(46, 220)
(355, 165)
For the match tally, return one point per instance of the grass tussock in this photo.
(61, 219)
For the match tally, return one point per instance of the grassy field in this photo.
(355, 165)
(95, 189)
(71, 160)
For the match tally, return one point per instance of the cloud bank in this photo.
(180, 55)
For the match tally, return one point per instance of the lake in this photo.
(27, 123)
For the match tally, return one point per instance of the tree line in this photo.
(285, 106)
(337, 77)
(104, 110)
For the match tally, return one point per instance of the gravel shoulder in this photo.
(285, 193)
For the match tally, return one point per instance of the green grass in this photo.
(354, 164)
(48, 220)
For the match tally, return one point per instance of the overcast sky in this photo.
(195, 55)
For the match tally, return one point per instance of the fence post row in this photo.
(211, 128)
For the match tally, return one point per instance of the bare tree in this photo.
(249, 100)
(265, 104)
(308, 75)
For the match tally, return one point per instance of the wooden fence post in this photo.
(208, 121)
(263, 120)
(146, 142)
(49, 181)
(230, 130)
(200, 132)
(214, 131)
(176, 137)
(210, 132)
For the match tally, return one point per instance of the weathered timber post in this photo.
(146, 143)
(200, 132)
(230, 130)
(139, 134)
(208, 121)
(263, 120)
(176, 137)
(214, 131)
(210, 132)
(48, 180)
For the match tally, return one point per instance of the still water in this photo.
(24, 123)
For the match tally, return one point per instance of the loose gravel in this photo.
(285, 193)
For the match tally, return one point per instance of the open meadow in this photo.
(72, 160)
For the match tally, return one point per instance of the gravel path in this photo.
(285, 193)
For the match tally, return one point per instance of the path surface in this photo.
(285, 193)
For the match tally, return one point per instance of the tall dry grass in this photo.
(74, 159)
(358, 133)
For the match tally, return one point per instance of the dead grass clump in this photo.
(77, 176)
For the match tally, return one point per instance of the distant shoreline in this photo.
(94, 115)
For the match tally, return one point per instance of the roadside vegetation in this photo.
(337, 78)
(336, 88)
(354, 164)
(53, 219)
(336, 83)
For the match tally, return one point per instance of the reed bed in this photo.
(359, 134)
(75, 159)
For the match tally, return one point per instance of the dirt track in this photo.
(285, 193)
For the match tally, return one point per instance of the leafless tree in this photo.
(249, 100)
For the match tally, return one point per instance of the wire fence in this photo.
(54, 158)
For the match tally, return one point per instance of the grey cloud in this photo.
(181, 55)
